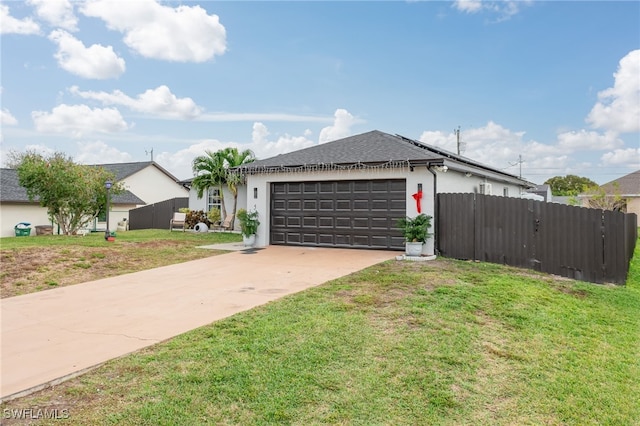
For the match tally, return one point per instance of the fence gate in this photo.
(156, 216)
(585, 244)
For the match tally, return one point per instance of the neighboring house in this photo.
(350, 192)
(211, 199)
(144, 183)
(627, 187)
(543, 191)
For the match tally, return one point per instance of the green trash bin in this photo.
(23, 229)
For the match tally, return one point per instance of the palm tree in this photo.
(210, 171)
(235, 158)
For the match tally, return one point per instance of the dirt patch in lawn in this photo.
(31, 269)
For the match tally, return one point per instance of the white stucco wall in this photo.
(152, 185)
(12, 214)
(196, 203)
(453, 181)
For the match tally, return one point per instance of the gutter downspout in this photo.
(435, 209)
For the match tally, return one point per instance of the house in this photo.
(627, 187)
(144, 183)
(543, 191)
(351, 192)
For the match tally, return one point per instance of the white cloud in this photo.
(588, 140)
(503, 9)
(629, 157)
(11, 25)
(469, 6)
(6, 118)
(95, 62)
(159, 101)
(58, 13)
(98, 152)
(341, 127)
(182, 34)
(79, 120)
(618, 108)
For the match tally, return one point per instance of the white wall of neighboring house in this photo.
(152, 185)
(14, 213)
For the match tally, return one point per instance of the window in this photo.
(213, 199)
(505, 191)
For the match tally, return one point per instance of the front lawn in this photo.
(400, 343)
(36, 263)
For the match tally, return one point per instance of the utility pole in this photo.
(149, 152)
(457, 132)
(520, 161)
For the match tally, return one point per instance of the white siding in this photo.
(196, 203)
(152, 185)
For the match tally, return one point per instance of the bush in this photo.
(196, 216)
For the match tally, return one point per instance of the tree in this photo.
(210, 173)
(73, 194)
(235, 158)
(214, 170)
(598, 198)
(569, 185)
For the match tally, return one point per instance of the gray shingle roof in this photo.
(371, 148)
(626, 185)
(12, 192)
(124, 170)
(368, 148)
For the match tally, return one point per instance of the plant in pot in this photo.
(248, 226)
(416, 232)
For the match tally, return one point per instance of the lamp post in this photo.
(107, 185)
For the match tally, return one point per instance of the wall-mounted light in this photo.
(442, 168)
(419, 187)
(255, 193)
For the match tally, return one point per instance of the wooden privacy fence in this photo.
(156, 216)
(585, 244)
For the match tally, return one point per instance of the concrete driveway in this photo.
(50, 336)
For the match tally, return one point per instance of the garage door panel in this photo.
(361, 205)
(355, 213)
(294, 222)
(326, 222)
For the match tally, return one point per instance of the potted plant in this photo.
(248, 226)
(415, 232)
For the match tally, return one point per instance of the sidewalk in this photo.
(50, 336)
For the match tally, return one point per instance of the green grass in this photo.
(96, 239)
(400, 343)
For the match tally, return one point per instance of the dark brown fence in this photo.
(156, 216)
(585, 244)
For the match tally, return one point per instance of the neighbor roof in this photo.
(371, 148)
(124, 170)
(628, 185)
(12, 192)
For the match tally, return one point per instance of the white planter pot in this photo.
(249, 241)
(413, 249)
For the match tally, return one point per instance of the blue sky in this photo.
(557, 83)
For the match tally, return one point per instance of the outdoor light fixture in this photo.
(255, 192)
(107, 185)
(419, 187)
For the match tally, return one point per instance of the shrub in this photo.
(196, 216)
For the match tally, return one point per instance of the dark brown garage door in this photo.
(349, 213)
